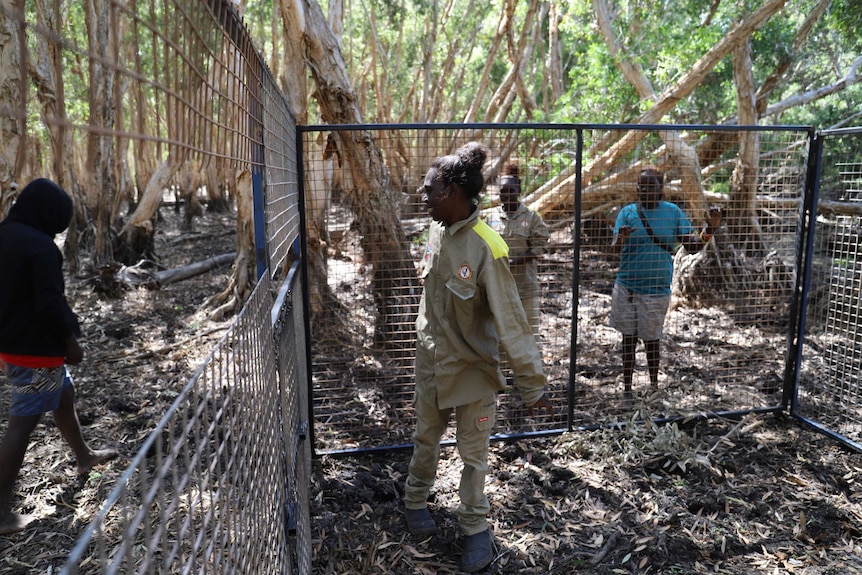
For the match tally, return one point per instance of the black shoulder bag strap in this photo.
(648, 229)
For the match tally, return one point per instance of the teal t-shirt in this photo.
(646, 268)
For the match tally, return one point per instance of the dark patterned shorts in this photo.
(36, 390)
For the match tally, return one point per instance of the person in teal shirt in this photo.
(646, 236)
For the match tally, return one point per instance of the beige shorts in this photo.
(640, 315)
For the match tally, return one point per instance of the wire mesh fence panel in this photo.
(712, 313)
(829, 390)
(289, 322)
(173, 80)
(722, 345)
(363, 369)
(206, 493)
(280, 179)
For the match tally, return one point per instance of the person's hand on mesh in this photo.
(544, 403)
(625, 232)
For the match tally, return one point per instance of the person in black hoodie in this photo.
(38, 336)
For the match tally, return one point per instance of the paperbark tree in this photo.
(554, 65)
(100, 151)
(13, 82)
(322, 159)
(238, 70)
(741, 219)
(46, 73)
(683, 156)
(366, 184)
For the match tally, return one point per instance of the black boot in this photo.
(478, 551)
(420, 522)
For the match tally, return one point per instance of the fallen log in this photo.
(185, 272)
(113, 279)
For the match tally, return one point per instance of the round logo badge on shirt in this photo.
(465, 272)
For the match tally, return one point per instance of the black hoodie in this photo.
(35, 317)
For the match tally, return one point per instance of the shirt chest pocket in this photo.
(461, 305)
(461, 290)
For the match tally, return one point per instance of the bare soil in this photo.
(757, 495)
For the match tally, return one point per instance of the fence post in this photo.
(576, 258)
(306, 304)
(799, 303)
(259, 217)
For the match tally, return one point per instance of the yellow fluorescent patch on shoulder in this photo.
(497, 244)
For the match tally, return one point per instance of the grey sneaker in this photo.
(478, 551)
(420, 522)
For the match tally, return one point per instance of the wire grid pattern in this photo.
(288, 320)
(280, 178)
(725, 336)
(203, 494)
(190, 91)
(214, 487)
(829, 390)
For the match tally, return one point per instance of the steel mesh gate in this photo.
(726, 344)
(829, 394)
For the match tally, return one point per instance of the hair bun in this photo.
(512, 169)
(473, 155)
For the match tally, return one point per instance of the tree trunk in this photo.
(554, 65)
(13, 83)
(219, 201)
(47, 75)
(137, 233)
(319, 179)
(100, 157)
(742, 222)
(485, 80)
(374, 204)
(512, 85)
(145, 164)
(243, 276)
(189, 180)
(428, 42)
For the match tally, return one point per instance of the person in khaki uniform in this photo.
(526, 235)
(469, 307)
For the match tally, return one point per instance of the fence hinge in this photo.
(290, 512)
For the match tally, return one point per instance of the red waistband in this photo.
(32, 361)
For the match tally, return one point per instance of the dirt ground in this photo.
(757, 495)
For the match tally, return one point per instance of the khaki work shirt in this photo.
(523, 230)
(470, 306)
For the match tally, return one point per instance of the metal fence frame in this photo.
(818, 395)
(793, 343)
(220, 485)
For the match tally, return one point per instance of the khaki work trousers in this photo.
(473, 431)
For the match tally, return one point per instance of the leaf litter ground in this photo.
(757, 495)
